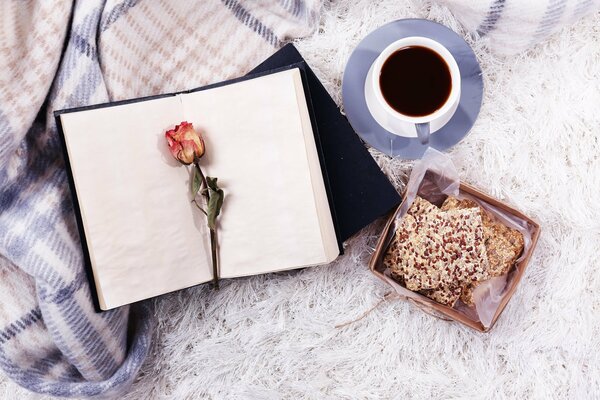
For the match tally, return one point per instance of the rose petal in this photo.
(185, 143)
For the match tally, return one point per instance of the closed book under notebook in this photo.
(141, 234)
(361, 192)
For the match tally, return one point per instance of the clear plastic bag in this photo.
(434, 178)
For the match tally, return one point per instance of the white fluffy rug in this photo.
(536, 145)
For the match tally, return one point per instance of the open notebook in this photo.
(141, 234)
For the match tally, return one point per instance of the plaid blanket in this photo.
(510, 27)
(61, 54)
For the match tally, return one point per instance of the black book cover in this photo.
(361, 192)
(358, 191)
(303, 70)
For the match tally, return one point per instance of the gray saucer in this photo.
(353, 87)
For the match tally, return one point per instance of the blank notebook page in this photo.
(261, 147)
(144, 236)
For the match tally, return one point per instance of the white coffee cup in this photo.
(405, 125)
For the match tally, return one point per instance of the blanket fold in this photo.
(63, 54)
(511, 27)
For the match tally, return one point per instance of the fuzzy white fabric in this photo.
(536, 144)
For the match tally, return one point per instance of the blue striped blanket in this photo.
(63, 54)
(56, 55)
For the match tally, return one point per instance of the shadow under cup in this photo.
(413, 88)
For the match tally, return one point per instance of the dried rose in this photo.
(185, 144)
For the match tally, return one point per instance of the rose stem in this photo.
(213, 233)
(213, 247)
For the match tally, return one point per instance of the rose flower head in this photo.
(185, 144)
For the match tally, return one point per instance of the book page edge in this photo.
(328, 234)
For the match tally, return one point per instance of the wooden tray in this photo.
(440, 310)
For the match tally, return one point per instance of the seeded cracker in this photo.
(412, 268)
(503, 244)
(456, 239)
(408, 257)
(467, 294)
(437, 249)
(452, 203)
(393, 256)
(420, 207)
(445, 295)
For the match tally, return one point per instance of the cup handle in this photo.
(423, 132)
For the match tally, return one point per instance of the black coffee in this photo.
(415, 81)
